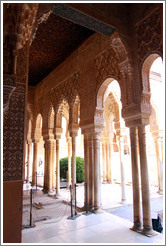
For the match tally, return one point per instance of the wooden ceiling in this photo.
(55, 40)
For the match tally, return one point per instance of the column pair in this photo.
(92, 170)
(147, 223)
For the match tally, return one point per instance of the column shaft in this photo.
(86, 166)
(91, 173)
(69, 162)
(147, 223)
(97, 180)
(57, 168)
(135, 180)
(108, 162)
(28, 160)
(35, 156)
(159, 163)
(121, 152)
(110, 171)
(53, 164)
(104, 161)
(73, 161)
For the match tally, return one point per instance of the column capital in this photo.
(35, 140)
(158, 134)
(73, 129)
(92, 129)
(47, 134)
(120, 132)
(58, 132)
(137, 114)
(29, 141)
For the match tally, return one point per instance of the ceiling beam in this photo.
(82, 19)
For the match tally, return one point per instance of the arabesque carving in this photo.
(149, 35)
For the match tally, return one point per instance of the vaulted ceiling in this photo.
(55, 40)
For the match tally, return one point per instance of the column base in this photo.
(148, 231)
(123, 201)
(58, 195)
(160, 192)
(51, 193)
(137, 227)
(45, 190)
(97, 210)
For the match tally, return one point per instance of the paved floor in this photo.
(52, 225)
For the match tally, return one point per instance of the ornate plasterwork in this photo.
(149, 35)
(68, 90)
(106, 65)
(9, 85)
(14, 122)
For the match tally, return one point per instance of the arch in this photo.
(74, 110)
(51, 117)
(145, 70)
(62, 110)
(103, 91)
(98, 118)
(37, 127)
(153, 120)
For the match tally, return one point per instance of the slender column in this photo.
(104, 162)
(97, 180)
(110, 173)
(57, 168)
(69, 162)
(91, 172)
(49, 164)
(86, 165)
(73, 161)
(147, 222)
(28, 159)
(53, 164)
(135, 181)
(34, 169)
(121, 151)
(158, 147)
(48, 171)
(45, 169)
(108, 161)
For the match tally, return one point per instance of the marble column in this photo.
(135, 180)
(53, 164)
(73, 160)
(69, 163)
(35, 158)
(86, 166)
(91, 173)
(147, 222)
(97, 180)
(110, 171)
(104, 162)
(158, 147)
(57, 168)
(121, 152)
(108, 162)
(28, 159)
(49, 170)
